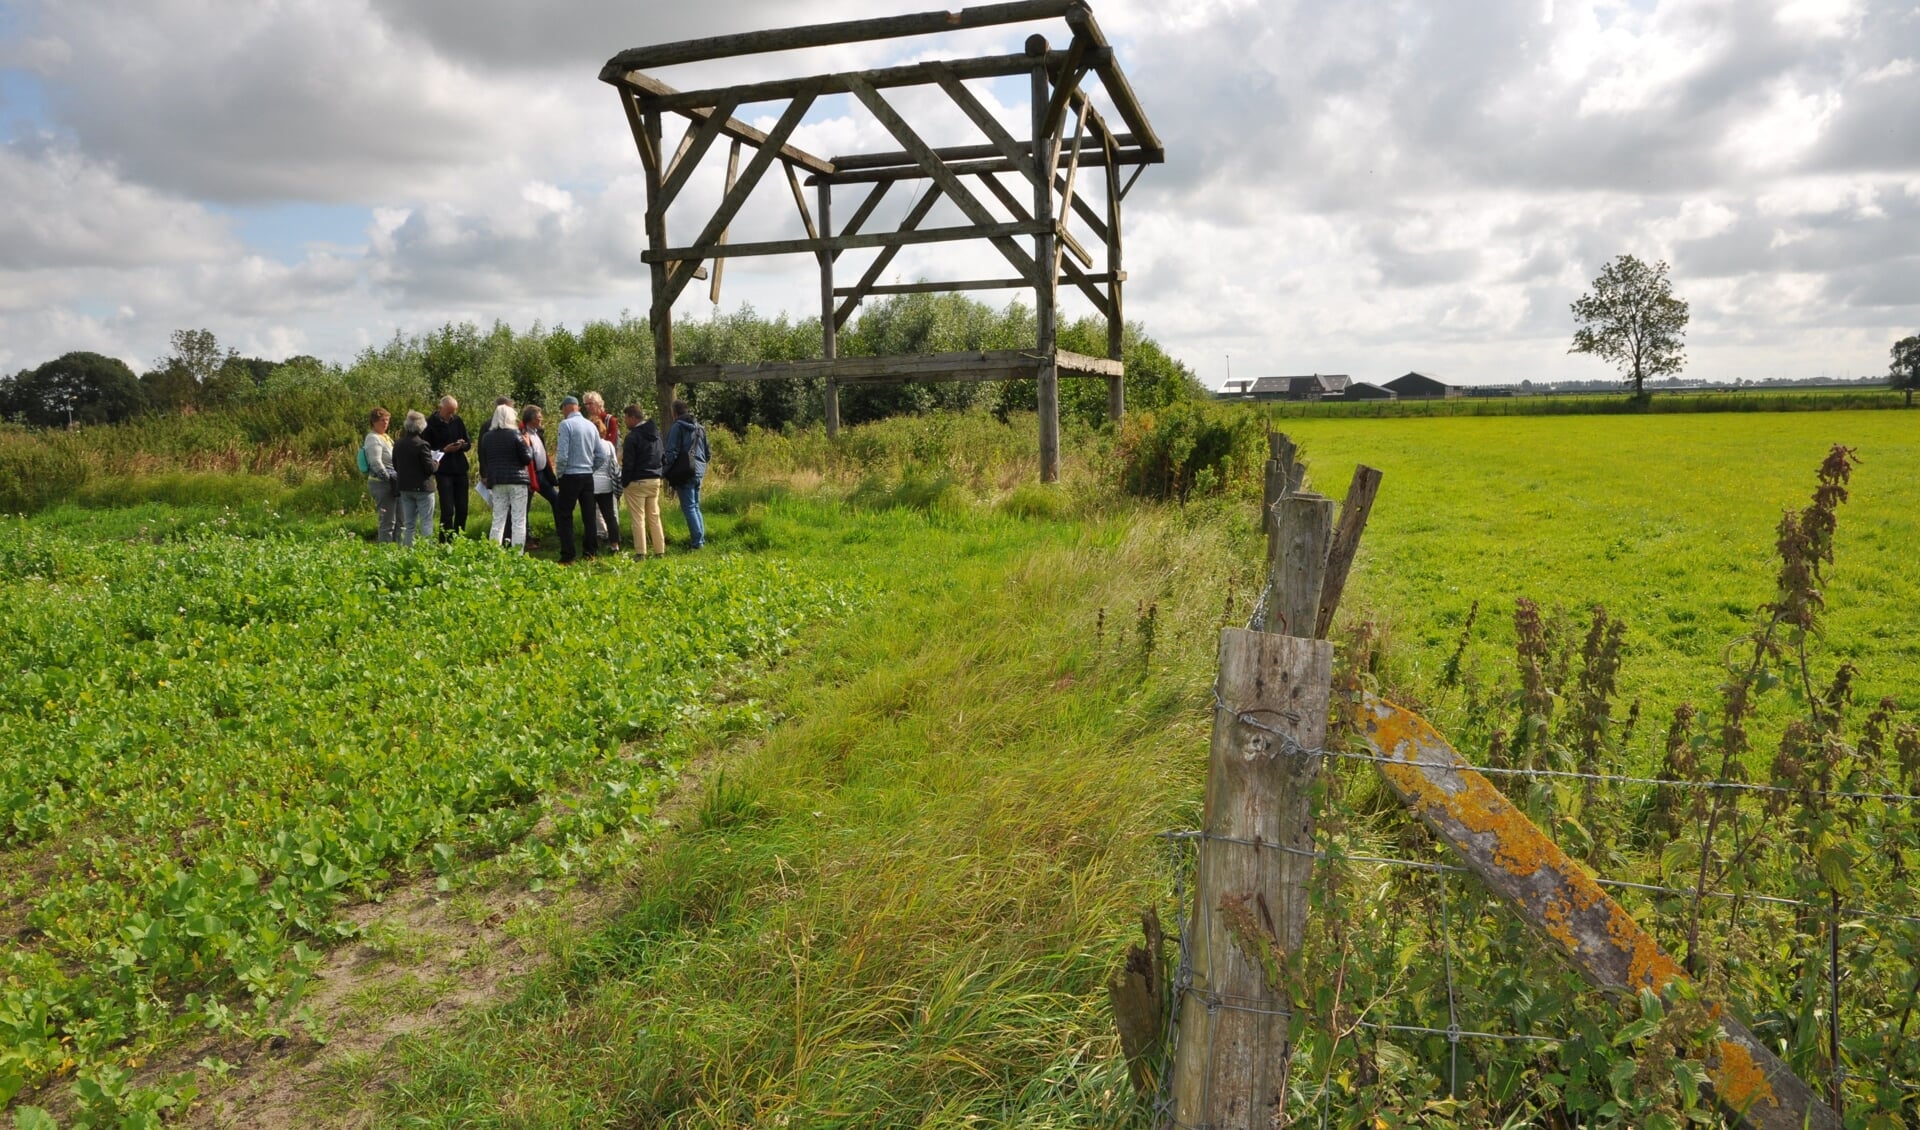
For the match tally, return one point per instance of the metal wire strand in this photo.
(1291, 746)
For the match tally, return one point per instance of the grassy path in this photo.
(899, 908)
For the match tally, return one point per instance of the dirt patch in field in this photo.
(426, 958)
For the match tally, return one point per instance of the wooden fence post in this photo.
(1255, 859)
(1297, 563)
(1256, 841)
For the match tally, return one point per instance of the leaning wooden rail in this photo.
(1557, 896)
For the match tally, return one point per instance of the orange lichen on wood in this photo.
(1518, 846)
(1648, 966)
(1515, 858)
(1739, 1080)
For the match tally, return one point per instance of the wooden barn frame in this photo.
(1050, 162)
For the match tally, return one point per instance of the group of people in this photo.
(590, 461)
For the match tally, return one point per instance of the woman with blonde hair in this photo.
(505, 456)
(377, 451)
(594, 407)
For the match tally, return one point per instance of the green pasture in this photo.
(1667, 521)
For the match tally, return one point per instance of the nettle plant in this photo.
(1771, 850)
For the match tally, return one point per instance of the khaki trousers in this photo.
(643, 516)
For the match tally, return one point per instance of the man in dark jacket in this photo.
(447, 433)
(686, 461)
(642, 461)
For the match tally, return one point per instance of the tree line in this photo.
(540, 365)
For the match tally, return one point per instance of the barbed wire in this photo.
(1624, 884)
(1291, 744)
(1184, 988)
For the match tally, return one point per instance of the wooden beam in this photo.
(1558, 898)
(944, 287)
(1064, 88)
(730, 204)
(686, 143)
(1067, 196)
(911, 221)
(997, 134)
(985, 365)
(861, 213)
(921, 366)
(800, 201)
(649, 90)
(1046, 283)
(887, 159)
(1346, 543)
(717, 250)
(962, 197)
(1074, 274)
(689, 157)
(839, 82)
(1080, 365)
(1116, 307)
(1119, 90)
(660, 313)
(720, 264)
(963, 167)
(829, 34)
(829, 329)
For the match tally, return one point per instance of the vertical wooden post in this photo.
(1116, 317)
(1279, 462)
(1297, 562)
(829, 330)
(1045, 283)
(660, 316)
(1346, 542)
(1254, 867)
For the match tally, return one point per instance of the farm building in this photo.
(1313, 387)
(1420, 386)
(1362, 390)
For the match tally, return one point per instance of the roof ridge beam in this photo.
(827, 35)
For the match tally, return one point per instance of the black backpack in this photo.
(681, 473)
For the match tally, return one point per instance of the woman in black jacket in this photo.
(505, 456)
(413, 463)
(643, 457)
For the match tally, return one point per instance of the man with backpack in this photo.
(687, 456)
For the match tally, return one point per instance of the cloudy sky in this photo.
(1364, 187)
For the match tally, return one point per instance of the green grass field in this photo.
(926, 832)
(1667, 521)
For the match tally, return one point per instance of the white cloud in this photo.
(1350, 188)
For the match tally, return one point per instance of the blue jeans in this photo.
(416, 515)
(690, 509)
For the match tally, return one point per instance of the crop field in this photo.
(951, 723)
(209, 745)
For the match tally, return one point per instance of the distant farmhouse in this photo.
(1317, 386)
(1361, 390)
(1420, 386)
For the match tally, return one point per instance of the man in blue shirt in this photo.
(686, 437)
(573, 452)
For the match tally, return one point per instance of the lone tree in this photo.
(1905, 369)
(1632, 319)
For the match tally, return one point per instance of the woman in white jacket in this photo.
(606, 481)
(378, 450)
